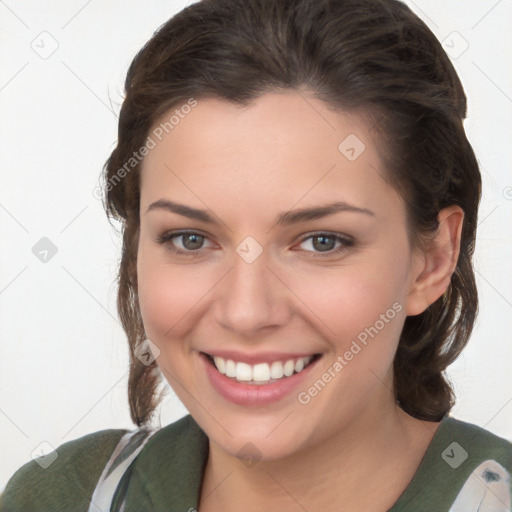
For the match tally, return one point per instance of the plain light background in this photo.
(63, 355)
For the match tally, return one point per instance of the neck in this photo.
(369, 462)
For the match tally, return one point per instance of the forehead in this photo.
(285, 147)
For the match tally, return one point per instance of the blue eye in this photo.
(324, 244)
(191, 243)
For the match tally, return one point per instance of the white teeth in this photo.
(289, 367)
(261, 372)
(230, 368)
(219, 363)
(276, 370)
(243, 371)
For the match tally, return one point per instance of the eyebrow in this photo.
(283, 219)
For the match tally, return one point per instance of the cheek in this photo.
(158, 298)
(169, 296)
(346, 301)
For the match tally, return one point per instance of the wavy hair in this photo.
(373, 56)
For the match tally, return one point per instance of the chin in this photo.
(264, 439)
(253, 448)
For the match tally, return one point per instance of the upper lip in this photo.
(262, 357)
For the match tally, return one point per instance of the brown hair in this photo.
(371, 55)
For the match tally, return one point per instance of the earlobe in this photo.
(435, 265)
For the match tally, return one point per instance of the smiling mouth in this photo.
(261, 373)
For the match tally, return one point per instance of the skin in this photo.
(351, 446)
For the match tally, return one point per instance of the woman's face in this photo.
(270, 271)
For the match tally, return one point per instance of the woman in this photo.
(299, 203)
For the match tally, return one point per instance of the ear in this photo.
(433, 267)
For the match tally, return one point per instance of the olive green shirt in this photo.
(466, 468)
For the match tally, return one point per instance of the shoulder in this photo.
(64, 479)
(169, 469)
(479, 466)
(478, 442)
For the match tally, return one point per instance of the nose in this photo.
(252, 299)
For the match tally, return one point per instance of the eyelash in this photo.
(345, 241)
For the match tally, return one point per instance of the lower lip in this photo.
(253, 394)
